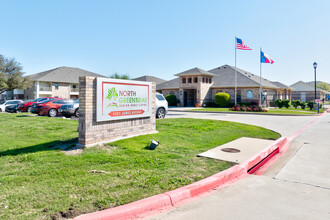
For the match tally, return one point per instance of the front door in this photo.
(303, 97)
(184, 98)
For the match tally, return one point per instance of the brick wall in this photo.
(92, 132)
(63, 90)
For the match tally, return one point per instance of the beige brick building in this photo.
(305, 92)
(199, 86)
(62, 82)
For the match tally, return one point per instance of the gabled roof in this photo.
(62, 74)
(147, 78)
(225, 77)
(195, 71)
(172, 84)
(281, 85)
(301, 86)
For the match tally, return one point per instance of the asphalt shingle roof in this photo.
(150, 79)
(225, 77)
(62, 74)
(280, 85)
(301, 86)
(195, 71)
(171, 84)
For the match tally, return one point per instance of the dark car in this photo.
(12, 108)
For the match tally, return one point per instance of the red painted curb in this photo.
(165, 200)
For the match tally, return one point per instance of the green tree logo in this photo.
(112, 94)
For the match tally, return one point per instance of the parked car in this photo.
(51, 107)
(35, 107)
(27, 105)
(161, 106)
(12, 108)
(69, 110)
(9, 102)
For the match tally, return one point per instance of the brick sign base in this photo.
(92, 133)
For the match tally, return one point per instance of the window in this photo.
(183, 80)
(207, 80)
(210, 80)
(195, 80)
(203, 79)
(56, 86)
(189, 80)
(160, 97)
(74, 86)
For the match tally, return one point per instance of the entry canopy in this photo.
(194, 72)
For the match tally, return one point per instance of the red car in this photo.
(26, 106)
(51, 107)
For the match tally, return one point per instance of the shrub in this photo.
(296, 103)
(253, 108)
(279, 103)
(171, 99)
(222, 99)
(286, 103)
(310, 105)
(272, 104)
(303, 105)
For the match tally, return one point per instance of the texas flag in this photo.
(264, 58)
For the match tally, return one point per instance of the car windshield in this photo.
(1, 102)
(77, 101)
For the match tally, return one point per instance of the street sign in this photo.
(318, 101)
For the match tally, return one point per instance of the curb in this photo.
(169, 199)
(242, 113)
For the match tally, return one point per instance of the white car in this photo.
(161, 106)
(4, 104)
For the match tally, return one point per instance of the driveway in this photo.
(285, 125)
(297, 186)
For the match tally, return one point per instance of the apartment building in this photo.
(62, 82)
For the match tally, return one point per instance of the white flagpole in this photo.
(235, 73)
(260, 93)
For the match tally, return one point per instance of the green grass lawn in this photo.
(271, 111)
(37, 181)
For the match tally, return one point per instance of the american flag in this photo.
(240, 45)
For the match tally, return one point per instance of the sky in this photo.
(163, 38)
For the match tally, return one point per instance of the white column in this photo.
(37, 83)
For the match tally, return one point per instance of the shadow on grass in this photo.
(49, 146)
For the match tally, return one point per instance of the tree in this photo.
(11, 75)
(323, 85)
(120, 76)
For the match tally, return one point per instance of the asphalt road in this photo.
(297, 186)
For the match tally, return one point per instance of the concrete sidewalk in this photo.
(296, 187)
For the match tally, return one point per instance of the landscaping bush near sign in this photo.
(222, 99)
(296, 103)
(310, 105)
(171, 99)
(282, 103)
(303, 105)
(279, 103)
